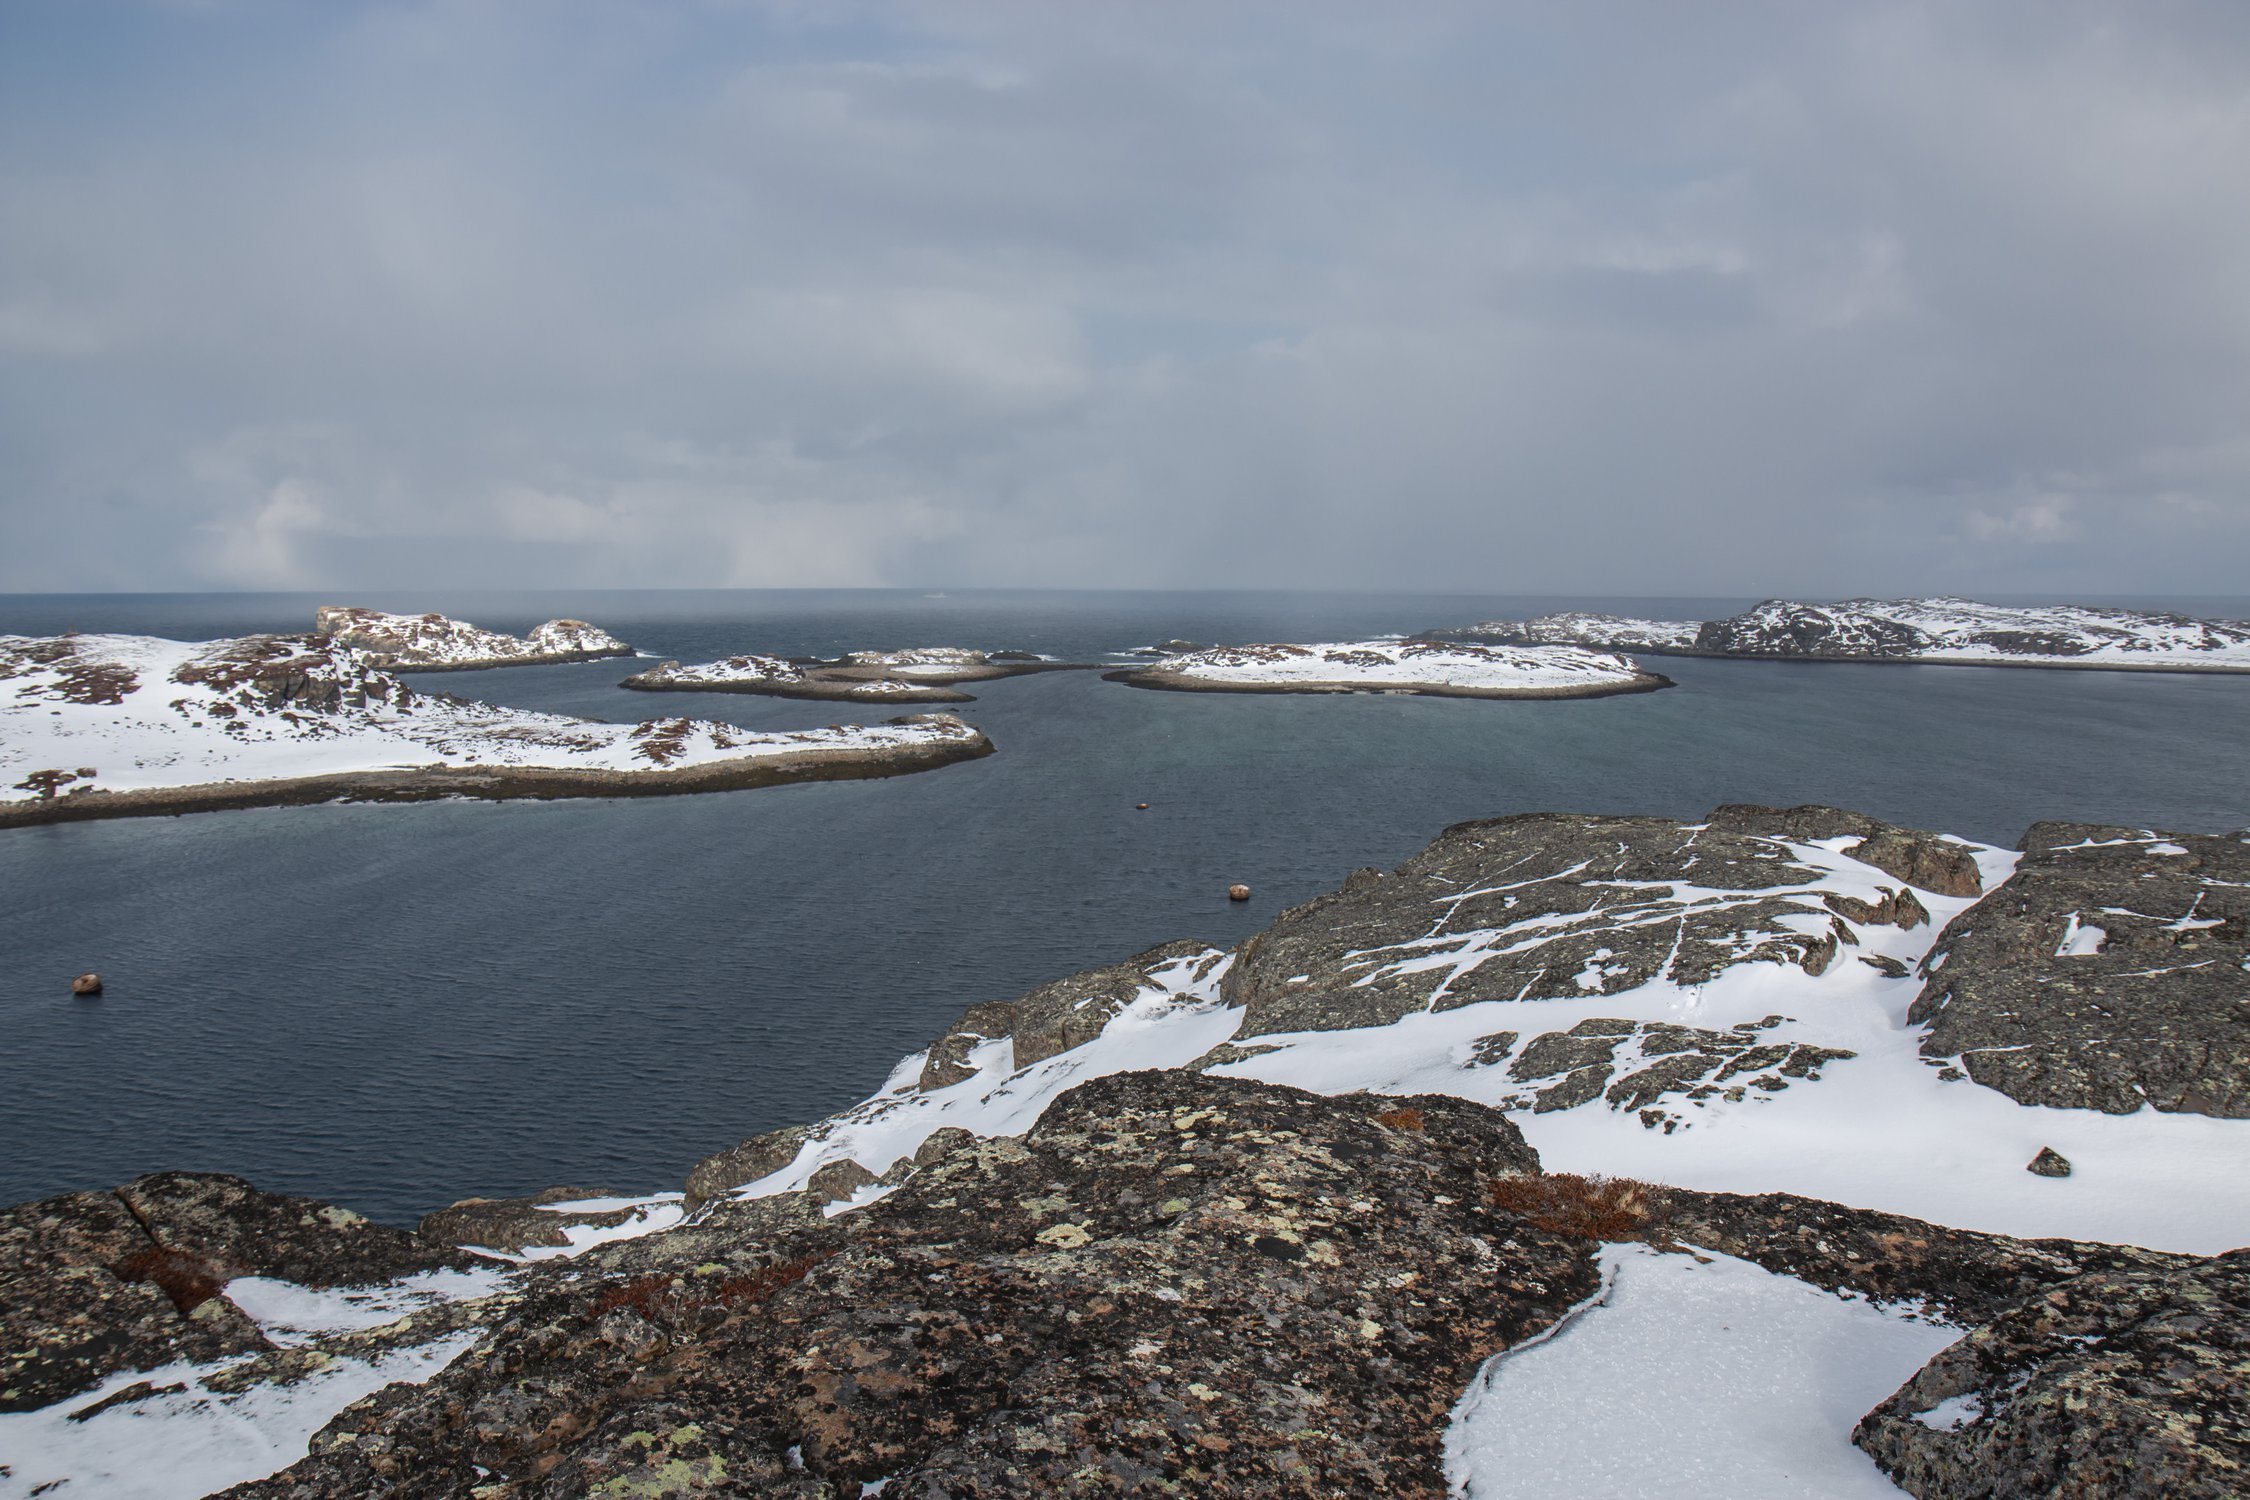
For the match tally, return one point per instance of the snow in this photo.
(2081, 939)
(1404, 664)
(216, 723)
(1953, 1413)
(432, 640)
(1689, 1375)
(196, 1440)
(1880, 1130)
(748, 667)
(1577, 627)
(290, 1315)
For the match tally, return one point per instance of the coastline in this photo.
(1174, 682)
(834, 684)
(546, 659)
(1822, 659)
(498, 783)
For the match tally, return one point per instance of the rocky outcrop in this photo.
(923, 675)
(94, 1283)
(1651, 1069)
(1929, 860)
(2119, 1385)
(1548, 906)
(1173, 1284)
(1057, 1017)
(434, 643)
(2108, 973)
(1957, 631)
(538, 1221)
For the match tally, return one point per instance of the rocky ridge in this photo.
(435, 643)
(1417, 667)
(1955, 631)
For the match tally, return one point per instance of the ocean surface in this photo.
(393, 1007)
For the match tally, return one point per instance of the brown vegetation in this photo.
(1591, 1208)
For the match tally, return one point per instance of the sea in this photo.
(394, 1007)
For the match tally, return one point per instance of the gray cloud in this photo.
(1731, 299)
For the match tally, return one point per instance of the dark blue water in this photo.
(393, 1007)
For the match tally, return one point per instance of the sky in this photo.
(1747, 297)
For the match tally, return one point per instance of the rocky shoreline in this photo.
(435, 643)
(1144, 1229)
(928, 675)
(506, 783)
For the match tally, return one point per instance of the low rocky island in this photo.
(98, 726)
(1952, 632)
(1417, 667)
(1303, 1218)
(921, 675)
(434, 643)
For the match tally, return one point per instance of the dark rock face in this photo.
(2114, 1386)
(1968, 1276)
(1173, 1284)
(1545, 906)
(93, 1283)
(1779, 627)
(760, 1156)
(1920, 859)
(1671, 1064)
(1057, 1017)
(2107, 973)
(2049, 1163)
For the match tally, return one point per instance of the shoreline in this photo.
(2188, 669)
(548, 659)
(1175, 682)
(497, 783)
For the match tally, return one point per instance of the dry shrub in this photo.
(1589, 1208)
(665, 1297)
(178, 1275)
(1406, 1117)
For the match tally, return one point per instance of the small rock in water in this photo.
(1238, 893)
(86, 984)
(1141, 806)
(2049, 1163)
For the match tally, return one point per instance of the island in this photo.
(1948, 632)
(922, 674)
(1305, 1215)
(434, 643)
(1414, 667)
(96, 726)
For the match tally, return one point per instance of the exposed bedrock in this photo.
(1172, 1283)
(94, 1283)
(2119, 1385)
(1552, 906)
(2111, 971)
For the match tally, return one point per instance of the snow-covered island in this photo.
(1786, 1152)
(434, 643)
(1957, 632)
(1427, 668)
(922, 674)
(110, 725)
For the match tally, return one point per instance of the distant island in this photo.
(923, 674)
(434, 643)
(115, 725)
(1419, 667)
(1951, 632)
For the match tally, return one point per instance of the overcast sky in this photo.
(1641, 298)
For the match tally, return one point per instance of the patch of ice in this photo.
(290, 1314)
(1953, 1413)
(2081, 939)
(1689, 1378)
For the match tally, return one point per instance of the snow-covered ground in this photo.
(1689, 1375)
(1879, 1130)
(195, 1431)
(1585, 628)
(125, 713)
(433, 640)
(1403, 665)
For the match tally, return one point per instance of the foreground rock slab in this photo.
(2110, 972)
(95, 1283)
(1172, 1284)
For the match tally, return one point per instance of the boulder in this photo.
(86, 984)
(760, 1156)
(2049, 1163)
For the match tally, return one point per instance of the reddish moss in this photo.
(1404, 1118)
(665, 1297)
(184, 1278)
(1591, 1208)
